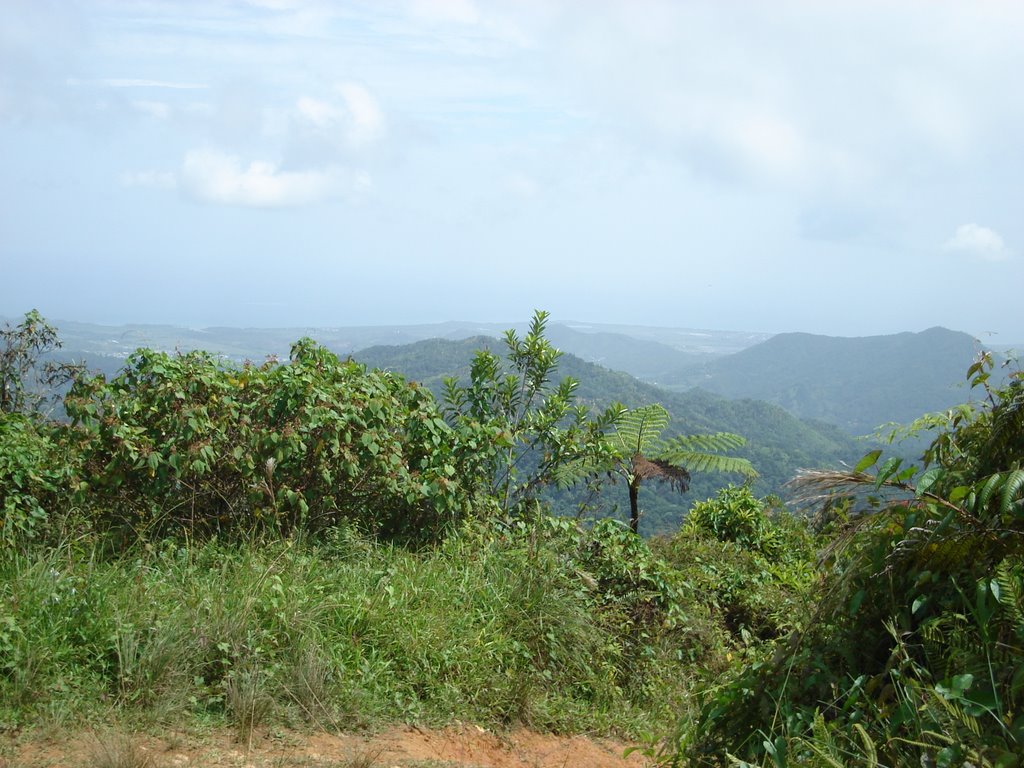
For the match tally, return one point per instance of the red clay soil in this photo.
(403, 747)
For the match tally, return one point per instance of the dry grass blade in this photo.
(812, 487)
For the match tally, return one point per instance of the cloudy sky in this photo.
(848, 168)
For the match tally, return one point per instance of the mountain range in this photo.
(855, 383)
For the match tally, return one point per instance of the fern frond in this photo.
(870, 753)
(710, 462)
(702, 453)
(1013, 491)
(1011, 593)
(639, 428)
(717, 442)
(567, 474)
(986, 491)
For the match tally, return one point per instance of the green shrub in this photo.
(517, 431)
(736, 515)
(31, 478)
(187, 443)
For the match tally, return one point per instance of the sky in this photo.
(846, 168)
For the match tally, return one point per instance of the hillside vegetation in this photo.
(315, 544)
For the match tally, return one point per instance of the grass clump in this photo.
(118, 750)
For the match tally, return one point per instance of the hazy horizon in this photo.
(495, 326)
(848, 169)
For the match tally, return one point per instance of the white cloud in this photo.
(978, 241)
(768, 143)
(215, 177)
(367, 118)
(357, 120)
(318, 113)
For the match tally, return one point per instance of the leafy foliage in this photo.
(31, 476)
(777, 443)
(902, 644)
(518, 432)
(916, 653)
(736, 515)
(26, 380)
(185, 442)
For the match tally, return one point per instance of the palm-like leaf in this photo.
(1012, 497)
(702, 453)
(638, 430)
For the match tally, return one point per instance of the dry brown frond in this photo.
(814, 486)
(658, 469)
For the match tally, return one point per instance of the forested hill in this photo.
(856, 383)
(778, 442)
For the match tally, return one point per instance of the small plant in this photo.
(247, 702)
(363, 759)
(310, 685)
(151, 665)
(27, 383)
(117, 750)
(32, 477)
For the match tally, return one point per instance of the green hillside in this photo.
(643, 358)
(856, 383)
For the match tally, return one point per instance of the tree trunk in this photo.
(634, 506)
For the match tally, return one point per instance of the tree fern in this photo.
(640, 454)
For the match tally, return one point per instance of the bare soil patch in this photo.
(463, 746)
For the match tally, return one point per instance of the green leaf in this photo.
(856, 600)
(867, 460)
(927, 480)
(959, 493)
(887, 470)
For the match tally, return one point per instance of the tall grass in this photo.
(338, 634)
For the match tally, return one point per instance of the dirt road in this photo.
(463, 746)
